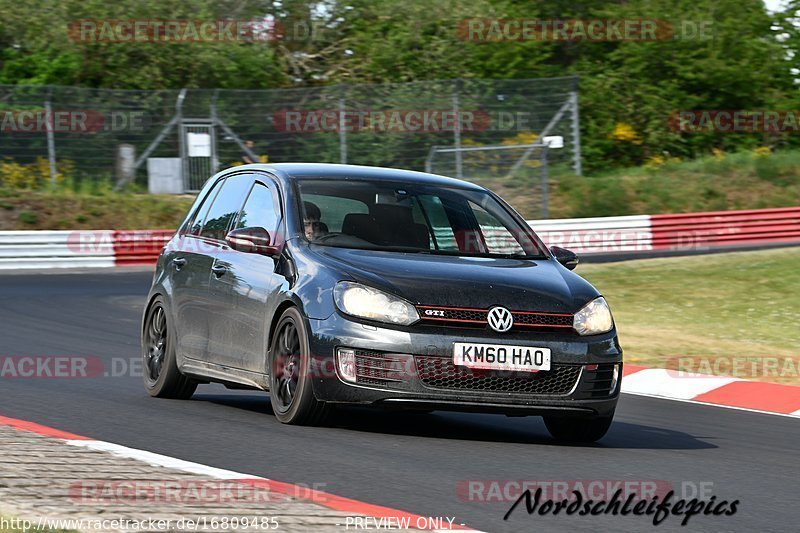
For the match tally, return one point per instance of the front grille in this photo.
(467, 317)
(380, 368)
(542, 319)
(455, 314)
(441, 373)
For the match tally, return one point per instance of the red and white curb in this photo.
(324, 499)
(734, 393)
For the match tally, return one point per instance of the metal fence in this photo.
(78, 132)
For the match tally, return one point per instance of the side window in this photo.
(200, 216)
(260, 210)
(225, 207)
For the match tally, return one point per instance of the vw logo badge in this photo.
(500, 319)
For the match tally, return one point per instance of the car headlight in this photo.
(365, 302)
(594, 318)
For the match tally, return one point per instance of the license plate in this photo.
(501, 357)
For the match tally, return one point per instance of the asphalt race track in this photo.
(414, 462)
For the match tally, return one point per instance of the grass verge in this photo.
(746, 180)
(39, 210)
(721, 310)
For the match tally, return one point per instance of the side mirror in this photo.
(253, 240)
(568, 258)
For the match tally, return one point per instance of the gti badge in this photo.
(500, 319)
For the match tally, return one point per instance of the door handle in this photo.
(219, 270)
(179, 262)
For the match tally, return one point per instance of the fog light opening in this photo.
(346, 362)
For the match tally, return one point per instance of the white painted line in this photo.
(160, 460)
(796, 413)
(665, 383)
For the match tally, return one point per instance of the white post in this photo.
(576, 136)
(342, 132)
(457, 131)
(51, 141)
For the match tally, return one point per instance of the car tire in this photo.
(290, 380)
(572, 429)
(162, 379)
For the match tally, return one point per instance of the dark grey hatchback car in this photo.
(337, 284)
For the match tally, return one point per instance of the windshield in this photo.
(381, 215)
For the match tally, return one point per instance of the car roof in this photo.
(334, 171)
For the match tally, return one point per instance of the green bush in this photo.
(27, 217)
(767, 169)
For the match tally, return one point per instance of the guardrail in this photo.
(686, 232)
(601, 235)
(725, 228)
(629, 235)
(56, 249)
(139, 247)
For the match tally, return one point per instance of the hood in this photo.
(425, 279)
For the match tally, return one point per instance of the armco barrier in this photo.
(56, 249)
(697, 231)
(629, 235)
(139, 247)
(597, 235)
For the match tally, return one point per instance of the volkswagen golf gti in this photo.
(337, 284)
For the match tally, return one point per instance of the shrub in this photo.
(27, 217)
(35, 175)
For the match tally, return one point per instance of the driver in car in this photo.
(314, 229)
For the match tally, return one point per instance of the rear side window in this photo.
(260, 210)
(225, 207)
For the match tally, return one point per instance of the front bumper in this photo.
(411, 368)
